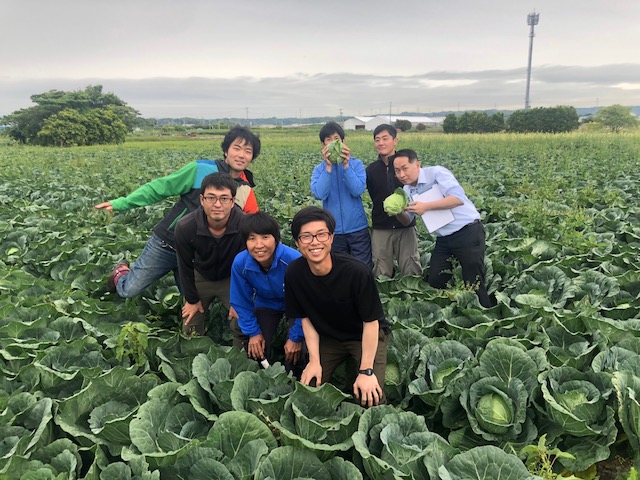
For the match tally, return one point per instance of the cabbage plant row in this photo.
(97, 387)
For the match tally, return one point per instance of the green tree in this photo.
(616, 118)
(450, 123)
(421, 127)
(403, 125)
(104, 126)
(496, 122)
(25, 124)
(65, 129)
(548, 120)
(477, 122)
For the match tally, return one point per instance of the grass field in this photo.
(85, 375)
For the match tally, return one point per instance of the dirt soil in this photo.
(616, 468)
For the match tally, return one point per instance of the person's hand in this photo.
(346, 155)
(292, 351)
(255, 348)
(106, 205)
(419, 208)
(326, 156)
(311, 371)
(232, 313)
(189, 310)
(367, 389)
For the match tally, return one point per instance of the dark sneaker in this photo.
(121, 268)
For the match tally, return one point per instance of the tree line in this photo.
(543, 119)
(91, 117)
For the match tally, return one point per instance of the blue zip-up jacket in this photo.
(341, 193)
(251, 287)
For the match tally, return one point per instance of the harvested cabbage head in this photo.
(395, 203)
(335, 149)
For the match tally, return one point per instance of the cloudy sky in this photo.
(291, 58)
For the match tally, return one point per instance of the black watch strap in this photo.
(366, 371)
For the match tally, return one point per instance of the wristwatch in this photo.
(366, 371)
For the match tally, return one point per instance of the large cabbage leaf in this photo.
(164, 427)
(262, 393)
(580, 404)
(402, 358)
(319, 419)
(101, 412)
(439, 364)
(394, 444)
(485, 463)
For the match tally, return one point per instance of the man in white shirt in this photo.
(463, 238)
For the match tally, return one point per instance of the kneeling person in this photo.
(463, 238)
(257, 290)
(207, 240)
(337, 298)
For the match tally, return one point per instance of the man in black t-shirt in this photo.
(337, 298)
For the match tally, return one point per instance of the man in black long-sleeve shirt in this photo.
(389, 239)
(207, 240)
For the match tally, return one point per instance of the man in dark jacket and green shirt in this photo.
(207, 240)
(239, 146)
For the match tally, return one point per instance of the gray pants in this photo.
(399, 243)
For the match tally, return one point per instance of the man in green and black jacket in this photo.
(239, 146)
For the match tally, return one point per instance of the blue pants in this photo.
(156, 260)
(357, 244)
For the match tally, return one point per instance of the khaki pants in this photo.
(400, 243)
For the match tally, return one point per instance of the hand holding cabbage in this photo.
(396, 202)
(334, 151)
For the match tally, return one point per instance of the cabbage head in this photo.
(395, 203)
(494, 412)
(335, 150)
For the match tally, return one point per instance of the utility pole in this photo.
(532, 21)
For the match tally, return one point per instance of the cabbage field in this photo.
(99, 387)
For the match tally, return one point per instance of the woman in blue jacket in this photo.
(257, 290)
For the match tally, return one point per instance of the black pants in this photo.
(269, 321)
(467, 245)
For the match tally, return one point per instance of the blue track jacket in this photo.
(251, 288)
(341, 193)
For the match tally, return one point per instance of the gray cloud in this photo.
(355, 94)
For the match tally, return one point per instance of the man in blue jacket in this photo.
(340, 183)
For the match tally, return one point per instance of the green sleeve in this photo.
(156, 190)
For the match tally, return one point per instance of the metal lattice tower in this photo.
(532, 21)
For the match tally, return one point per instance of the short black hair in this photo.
(219, 181)
(311, 214)
(244, 133)
(385, 127)
(329, 129)
(260, 223)
(407, 152)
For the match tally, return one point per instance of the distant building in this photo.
(370, 123)
(357, 123)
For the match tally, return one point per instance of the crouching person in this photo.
(337, 298)
(257, 292)
(207, 240)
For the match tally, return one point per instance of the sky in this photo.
(293, 58)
